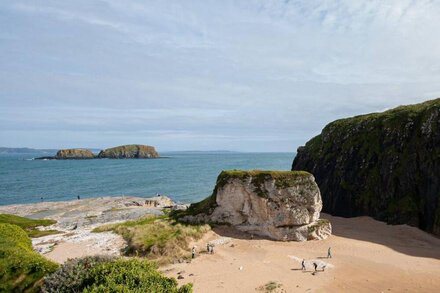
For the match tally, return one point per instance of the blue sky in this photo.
(207, 75)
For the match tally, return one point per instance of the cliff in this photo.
(281, 205)
(71, 154)
(385, 165)
(133, 151)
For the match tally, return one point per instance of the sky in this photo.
(207, 75)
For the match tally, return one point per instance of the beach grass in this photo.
(158, 238)
(30, 225)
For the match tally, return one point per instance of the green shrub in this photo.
(73, 274)
(21, 268)
(98, 274)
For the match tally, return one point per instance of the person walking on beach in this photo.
(329, 252)
(193, 252)
(315, 265)
(303, 265)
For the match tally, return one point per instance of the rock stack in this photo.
(281, 205)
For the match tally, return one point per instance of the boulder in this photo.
(159, 201)
(133, 151)
(281, 205)
(385, 165)
(74, 154)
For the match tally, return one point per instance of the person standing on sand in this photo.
(303, 265)
(329, 252)
(315, 265)
(193, 252)
(208, 247)
(212, 248)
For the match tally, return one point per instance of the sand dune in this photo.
(368, 256)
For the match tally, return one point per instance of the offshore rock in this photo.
(74, 154)
(385, 165)
(133, 151)
(281, 205)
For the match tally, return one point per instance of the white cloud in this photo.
(220, 70)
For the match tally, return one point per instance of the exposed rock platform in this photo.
(77, 218)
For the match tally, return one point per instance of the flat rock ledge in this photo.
(281, 205)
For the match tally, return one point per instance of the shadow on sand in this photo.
(401, 238)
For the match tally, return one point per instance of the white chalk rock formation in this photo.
(282, 205)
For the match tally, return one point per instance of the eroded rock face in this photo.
(69, 154)
(385, 165)
(133, 151)
(281, 205)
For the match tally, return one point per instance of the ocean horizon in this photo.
(186, 176)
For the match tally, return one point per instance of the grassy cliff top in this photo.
(272, 173)
(25, 223)
(130, 151)
(29, 225)
(283, 179)
(392, 114)
(367, 127)
(277, 175)
(130, 147)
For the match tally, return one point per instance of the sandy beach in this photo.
(368, 256)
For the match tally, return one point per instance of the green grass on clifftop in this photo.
(283, 179)
(21, 268)
(29, 225)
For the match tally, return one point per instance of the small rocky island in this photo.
(74, 154)
(281, 205)
(133, 151)
(385, 165)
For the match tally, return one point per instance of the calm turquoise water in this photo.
(185, 177)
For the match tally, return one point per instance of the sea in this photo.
(186, 177)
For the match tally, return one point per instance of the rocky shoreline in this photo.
(77, 218)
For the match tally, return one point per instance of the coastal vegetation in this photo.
(106, 274)
(282, 179)
(29, 225)
(158, 238)
(21, 268)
